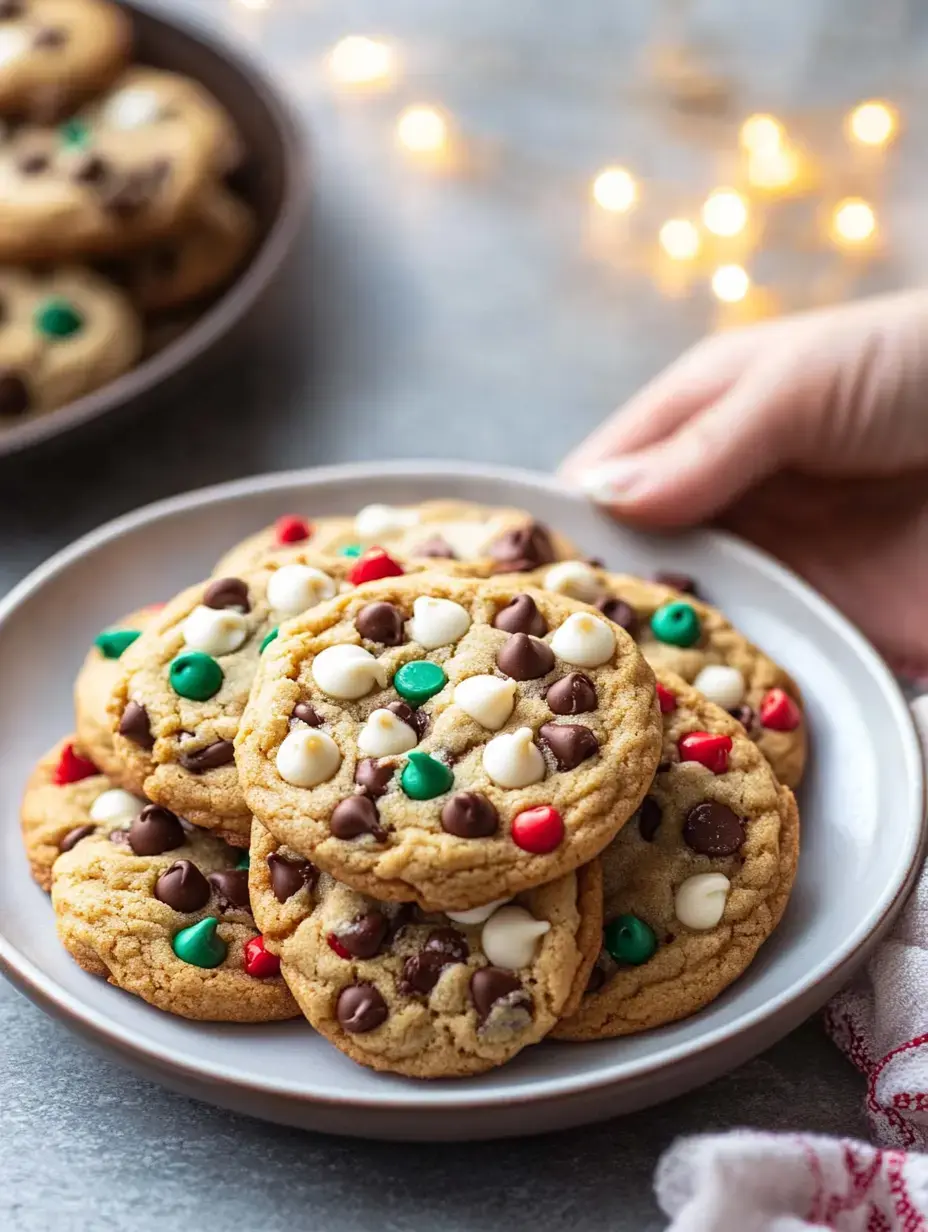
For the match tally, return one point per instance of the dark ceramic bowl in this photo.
(273, 181)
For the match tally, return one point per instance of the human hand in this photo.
(807, 435)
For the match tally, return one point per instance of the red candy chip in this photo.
(709, 750)
(373, 565)
(259, 962)
(538, 830)
(336, 945)
(779, 712)
(666, 700)
(291, 529)
(72, 767)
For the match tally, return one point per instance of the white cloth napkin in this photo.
(755, 1182)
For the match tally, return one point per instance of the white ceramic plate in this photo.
(862, 808)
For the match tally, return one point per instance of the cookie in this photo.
(695, 884)
(199, 260)
(54, 53)
(678, 632)
(162, 911)
(125, 170)
(68, 797)
(62, 335)
(448, 741)
(428, 996)
(95, 682)
(486, 540)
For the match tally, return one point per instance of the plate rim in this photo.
(823, 977)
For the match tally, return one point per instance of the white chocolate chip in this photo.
(307, 758)
(510, 937)
(13, 42)
(294, 588)
(576, 579)
(583, 641)
(722, 685)
(347, 672)
(384, 735)
(487, 699)
(132, 109)
(513, 759)
(376, 522)
(116, 805)
(437, 622)
(476, 915)
(700, 901)
(215, 632)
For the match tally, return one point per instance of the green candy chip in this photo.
(629, 940)
(425, 777)
(199, 944)
(58, 318)
(75, 134)
(416, 682)
(196, 676)
(350, 549)
(676, 624)
(113, 642)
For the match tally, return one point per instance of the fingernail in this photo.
(611, 482)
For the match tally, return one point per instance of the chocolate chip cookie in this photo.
(162, 911)
(696, 883)
(67, 798)
(425, 995)
(448, 741)
(55, 53)
(96, 681)
(482, 539)
(62, 335)
(126, 169)
(679, 632)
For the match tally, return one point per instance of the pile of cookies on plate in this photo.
(430, 778)
(116, 224)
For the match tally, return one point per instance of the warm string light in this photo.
(358, 60)
(615, 190)
(422, 130)
(773, 169)
(679, 239)
(761, 134)
(853, 222)
(730, 283)
(725, 212)
(872, 123)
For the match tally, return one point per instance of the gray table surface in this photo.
(461, 315)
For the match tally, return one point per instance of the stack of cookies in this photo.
(114, 209)
(430, 778)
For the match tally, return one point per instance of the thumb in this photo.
(704, 466)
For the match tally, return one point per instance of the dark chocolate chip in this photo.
(374, 776)
(468, 814)
(364, 936)
(50, 37)
(525, 658)
(418, 720)
(154, 831)
(360, 1008)
(492, 984)
(231, 886)
(135, 191)
(405, 913)
(11, 8)
(227, 592)
(33, 162)
(183, 887)
(381, 622)
(649, 819)
(521, 615)
(289, 876)
(745, 716)
(449, 943)
(523, 549)
(307, 714)
(421, 973)
(92, 169)
(435, 547)
(73, 837)
(572, 694)
(15, 398)
(219, 753)
(356, 816)
(712, 829)
(570, 743)
(595, 982)
(135, 725)
(678, 581)
(620, 613)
